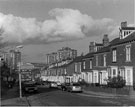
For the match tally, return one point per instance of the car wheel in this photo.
(69, 90)
(81, 91)
(63, 89)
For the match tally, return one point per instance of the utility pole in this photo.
(20, 85)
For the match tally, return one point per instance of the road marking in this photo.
(99, 96)
(110, 102)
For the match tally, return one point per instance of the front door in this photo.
(100, 77)
(129, 76)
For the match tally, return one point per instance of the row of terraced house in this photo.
(106, 59)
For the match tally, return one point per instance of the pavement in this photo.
(104, 94)
(31, 100)
(15, 102)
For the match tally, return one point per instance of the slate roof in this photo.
(128, 28)
(114, 42)
(89, 55)
(78, 59)
(104, 49)
(119, 41)
(99, 44)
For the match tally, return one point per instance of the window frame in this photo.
(84, 65)
(90, 64)
(75, 67)
(114, 55)
(96, 60)
(104, 58)
(128, 53)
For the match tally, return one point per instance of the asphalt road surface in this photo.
(56, 97)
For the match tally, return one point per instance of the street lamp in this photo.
(20, 85)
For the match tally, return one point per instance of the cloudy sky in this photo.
(44, 26)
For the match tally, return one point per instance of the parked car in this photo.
(38, 82)
(64, 86)
(46, 84)
(29, 86)
(53, 85)
(58, 83)
(74, 87)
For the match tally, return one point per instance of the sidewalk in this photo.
(11, 98)
(15, 102)
(108, 94)
(10, 93)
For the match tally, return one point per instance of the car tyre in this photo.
(63, 89)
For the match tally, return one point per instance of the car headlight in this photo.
(73, 88)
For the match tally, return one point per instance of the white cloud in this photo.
(64, 24)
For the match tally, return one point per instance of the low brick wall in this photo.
(121, 91)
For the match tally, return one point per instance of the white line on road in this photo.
(99, 96)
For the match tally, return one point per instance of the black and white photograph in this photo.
(67, 53)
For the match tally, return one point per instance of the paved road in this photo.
(56, 97)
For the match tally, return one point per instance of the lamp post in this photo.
(20, 85)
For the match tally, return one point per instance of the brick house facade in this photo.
(114, 58)
(124, 64)
(108, 59)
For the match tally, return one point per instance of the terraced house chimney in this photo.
(92, 47)
(105, 40)
(123, 24)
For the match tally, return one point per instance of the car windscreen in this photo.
(30, 85)
(76, 84)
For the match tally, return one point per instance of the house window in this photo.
(114, 55)
(84, 65)
(65, 71)
(80, 67)
(95, 77)
(104, 59)
(114, 72)
(75, 67)
(122, 73)
(128, 53)
(109, 72)
(90, 64)
(96, 60)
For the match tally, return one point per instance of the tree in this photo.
(5, 70)
(116, 82)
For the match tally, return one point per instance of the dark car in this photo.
(29, 86)
(64, 86)
(46, 84)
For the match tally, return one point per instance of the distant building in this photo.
(15, 58)
(51, 58)
(62, 54)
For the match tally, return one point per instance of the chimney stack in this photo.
(92, 47)
(123, 24)
(105, 40)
